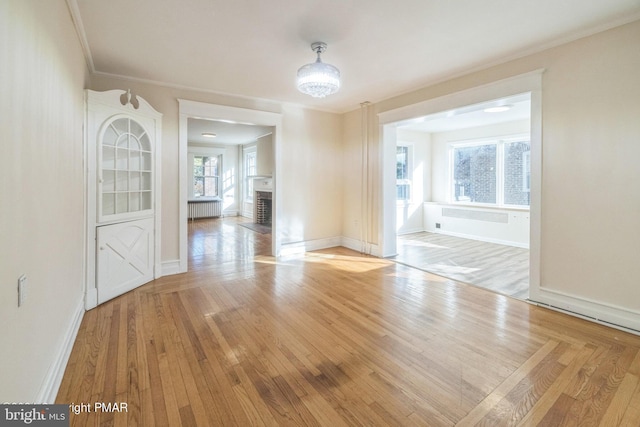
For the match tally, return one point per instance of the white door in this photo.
(124, 257)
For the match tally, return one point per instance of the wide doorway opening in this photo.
(463, 194)
(461, 186)
(228, 160)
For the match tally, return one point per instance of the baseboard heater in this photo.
(205, 208)
(499, 217)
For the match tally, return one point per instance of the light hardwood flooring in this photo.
(499, 268)
(333, 338)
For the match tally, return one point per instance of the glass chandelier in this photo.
(318, 79)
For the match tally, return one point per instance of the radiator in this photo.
(499, 217)
(205, 209)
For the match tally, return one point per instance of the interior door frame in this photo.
(524, 83)
(194, 109)
(107, 105)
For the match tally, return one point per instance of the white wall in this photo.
(409, 214)
(41, 194)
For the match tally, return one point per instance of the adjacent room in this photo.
(463, 194)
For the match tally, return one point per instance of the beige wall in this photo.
(42, 78)
(311, 176)
(591, 148)
(590, 226)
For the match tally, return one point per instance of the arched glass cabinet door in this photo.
(125, 164)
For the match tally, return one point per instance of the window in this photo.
(517, 173)
(474, 174)
(492, 172)
(205, 176)
(403, 180)
(250, 171)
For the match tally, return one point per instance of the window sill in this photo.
(482, 206)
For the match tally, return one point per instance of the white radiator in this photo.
(478, 215)
(205, 209)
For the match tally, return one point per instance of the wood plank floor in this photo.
(333, 338)
(499, 268)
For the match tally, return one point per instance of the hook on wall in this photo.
(129, 98)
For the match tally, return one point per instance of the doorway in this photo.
(459, 103)
(231, 116)
(463, 194)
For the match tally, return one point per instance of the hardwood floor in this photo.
(333, 338)
(499, 268)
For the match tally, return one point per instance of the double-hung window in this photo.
(206, 179)
(250, 171)
(403, 173)
(492, 172)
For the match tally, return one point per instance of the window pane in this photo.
(401, 163)
(211, 166)
(474, 174)
(403, 183)
(198, 186)
(251, 164)
(211, 186)
(517, 173)
(403, 191)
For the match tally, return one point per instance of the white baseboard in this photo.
(53, 379)
(172, 267)
(356, 245)
(91, 298)
(608, 314)
(296, 248)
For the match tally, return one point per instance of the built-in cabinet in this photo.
(126, 168)
(122, 146)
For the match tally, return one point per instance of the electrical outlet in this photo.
(437, 225)
(22, 290)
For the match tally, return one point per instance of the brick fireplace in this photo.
(263, 207)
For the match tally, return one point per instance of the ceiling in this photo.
(383, 48)
(519, 108)
(227, 133)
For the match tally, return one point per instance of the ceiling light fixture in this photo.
(209, 134)
(497, 109)
(318, 79)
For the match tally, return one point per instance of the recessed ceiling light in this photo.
(209, 134)
(497, 109)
